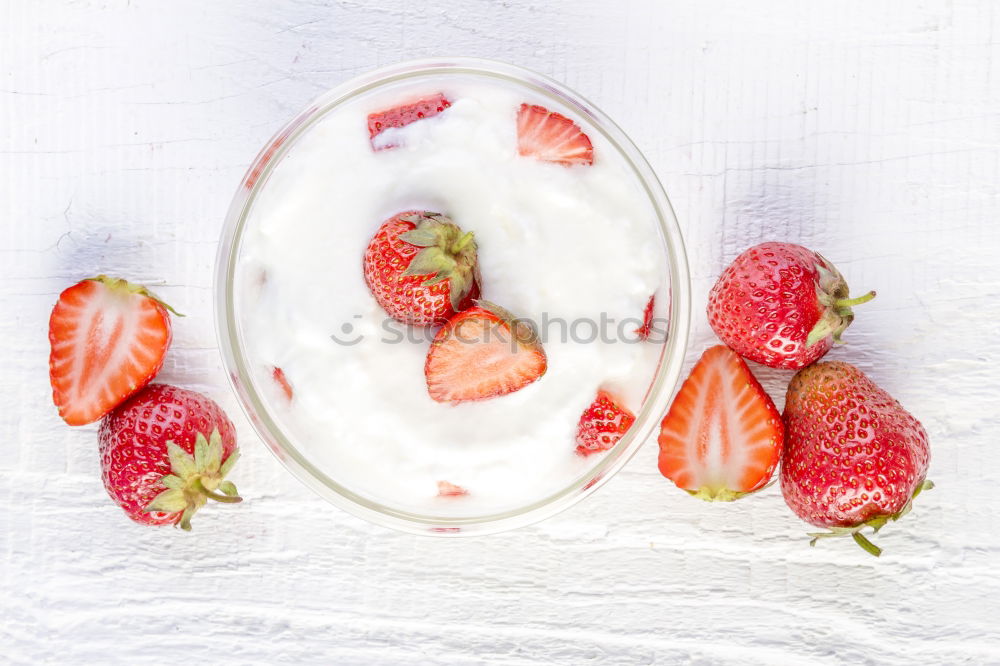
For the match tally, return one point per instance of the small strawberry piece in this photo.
(261, 164)
(279, 377)
(108, 339)
(422, 268)
(646, 329)
(483, 352)
(855, 457)
(405, 114)
(551, 137)
(165, 452)
(446, 489)
(603, 423)
(781, 305)
(722, 437)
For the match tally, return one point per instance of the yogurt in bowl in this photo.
(575, 247)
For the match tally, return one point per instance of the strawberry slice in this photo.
(722, 437)
(279, 377)
(646, 329)
(481, 353)
(447, 489)
(405, 114)
(602, 425)
(551, 137)
(108, 340)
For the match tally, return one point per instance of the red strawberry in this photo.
(421, 268)
(108, 340)
(405, 114)
(279, 377)
(551, 137)
(854, 456)
(446, 489)
(646, 329)
(781, 305)
(482, 352)
(722, 437)
(165, 452)
(603, 423)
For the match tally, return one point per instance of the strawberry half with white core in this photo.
(722, 437)
(483, 352)
(551, 137)
(422, 268)
(603, 423)
(108, 339)
(403, 115)
(781, 305)
(165, 452)
(854, 458)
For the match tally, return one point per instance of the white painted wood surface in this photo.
(867, 130)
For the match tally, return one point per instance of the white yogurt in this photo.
(560, 242)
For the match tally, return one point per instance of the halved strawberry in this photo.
(551, 137)
(722, 437)
(602, 425)
(405, 114)
(108, 340)
(447, 489)
(279, 377)
(480, 353)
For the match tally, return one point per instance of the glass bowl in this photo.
(294, 456)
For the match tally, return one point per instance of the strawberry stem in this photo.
(462, 242)
(875, 523)
(197, 486)
(851, 302)
(185, 521)
(868, 546)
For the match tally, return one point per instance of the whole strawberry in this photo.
(782, 305)
(421, 268)
(853, 456)
(165, 452)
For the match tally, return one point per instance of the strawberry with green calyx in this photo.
(108, 339)
(165, 452)
(422, 268)
(781, 305)
(195, 479)
(876, 524)
(854, 457)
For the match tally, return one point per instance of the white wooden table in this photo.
(867, 130)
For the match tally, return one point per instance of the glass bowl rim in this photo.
(242, 380)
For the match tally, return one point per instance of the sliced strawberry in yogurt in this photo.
(446, 489)
(400, 116)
